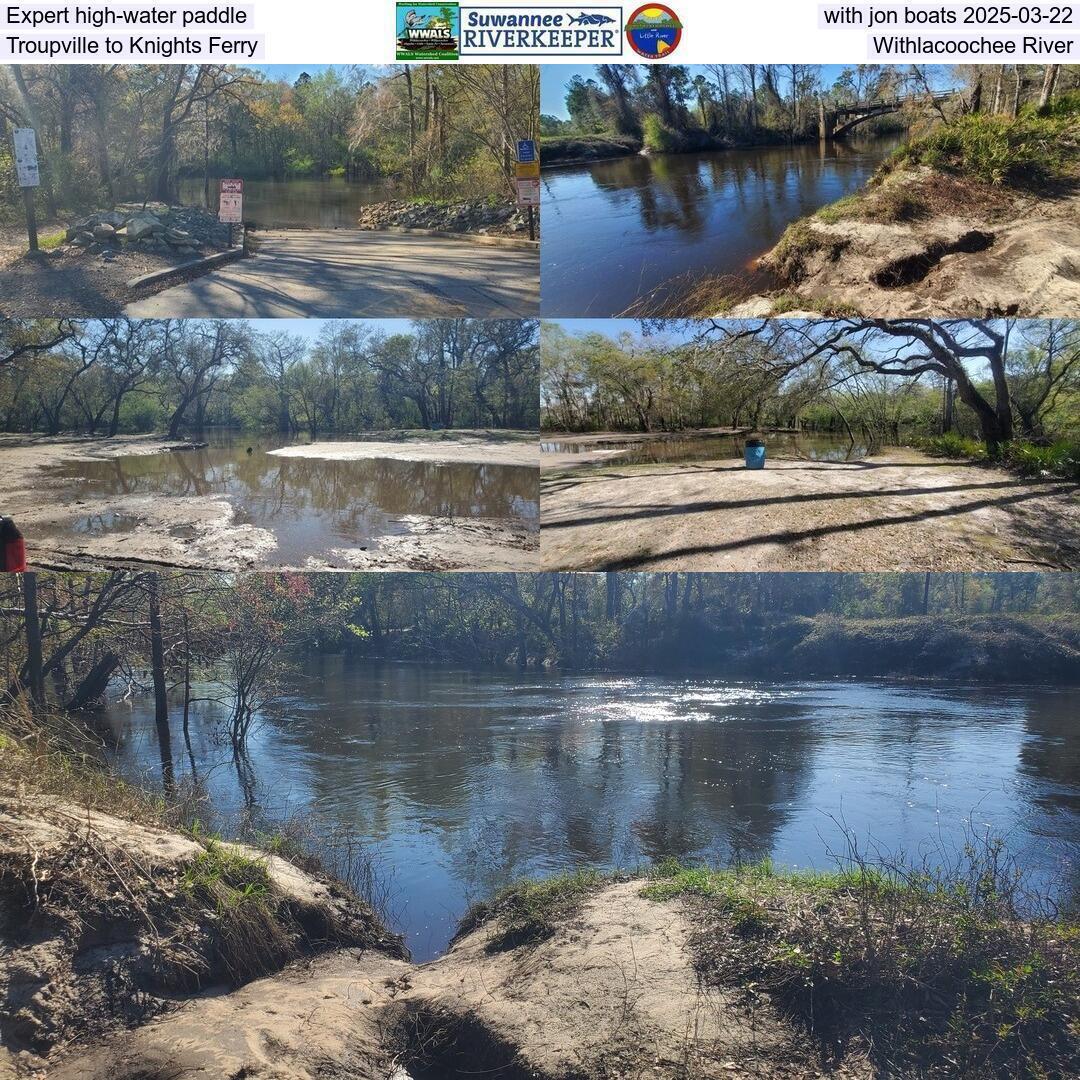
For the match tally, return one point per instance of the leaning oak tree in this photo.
(954, 349)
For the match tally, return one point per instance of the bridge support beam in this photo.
(826, 122)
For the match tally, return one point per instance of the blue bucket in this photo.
(755, 454)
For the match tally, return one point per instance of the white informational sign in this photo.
(26, 160)
(231, 202)
(528, 191)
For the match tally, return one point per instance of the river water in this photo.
(327, 203)
(462, 781)
(615, 231)
(694, 446)
(310, 505)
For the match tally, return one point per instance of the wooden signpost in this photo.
(29, 177)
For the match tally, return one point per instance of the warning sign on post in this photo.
(26, 159)
(528, 191)
(231, 202)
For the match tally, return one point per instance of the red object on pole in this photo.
(12, 547)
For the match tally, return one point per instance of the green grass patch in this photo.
(849, 206)
(226, 879)
(930, 972)
(791, 301)
(51, 241)
(1035, 148)
(531, 911)
(955, 446)
(1058, 458)
(799, 243)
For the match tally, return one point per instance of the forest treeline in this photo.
(65, 637)
(113, 132)
(103, 377)
(993, 381)
(672, 107)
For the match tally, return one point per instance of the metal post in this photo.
(532, 224)
(31, 218)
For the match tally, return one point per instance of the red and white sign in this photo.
(231, 201)
(528, 191)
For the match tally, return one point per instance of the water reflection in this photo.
(466, 780)
(310, 505)
(616, 230)
(327, 203)
(809, 446)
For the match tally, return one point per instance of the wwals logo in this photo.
(654, 31)
(428, 31)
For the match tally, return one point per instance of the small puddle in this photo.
(109, 521)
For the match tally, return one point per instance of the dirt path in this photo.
(348, 273)
(612, 993)
(205, 532)
(899, 510)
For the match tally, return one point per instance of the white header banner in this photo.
(688, 31)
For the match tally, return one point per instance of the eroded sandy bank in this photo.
(898, 510)
(611, 991)
(976, 251)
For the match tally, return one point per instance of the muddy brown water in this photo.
(811, 446)
(462, 781)
(616, 231)
(310, 505)
(328, 203)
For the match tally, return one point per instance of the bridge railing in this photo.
(892, 103)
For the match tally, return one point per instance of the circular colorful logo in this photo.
(654, 31)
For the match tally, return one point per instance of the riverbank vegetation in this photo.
(974, 157)
(68, 638)
(1003, 390)
(110, 133)
(981, 169)
(677, 108)
(90, 863)
(949, 968)
(128, 375)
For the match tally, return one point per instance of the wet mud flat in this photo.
(897, 509)
(137, 500)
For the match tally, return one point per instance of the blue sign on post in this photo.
(526, 151)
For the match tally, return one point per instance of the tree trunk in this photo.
(157, 666)
(93, 687)
(1018, 92)
(32, 621)
(1049, 83)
